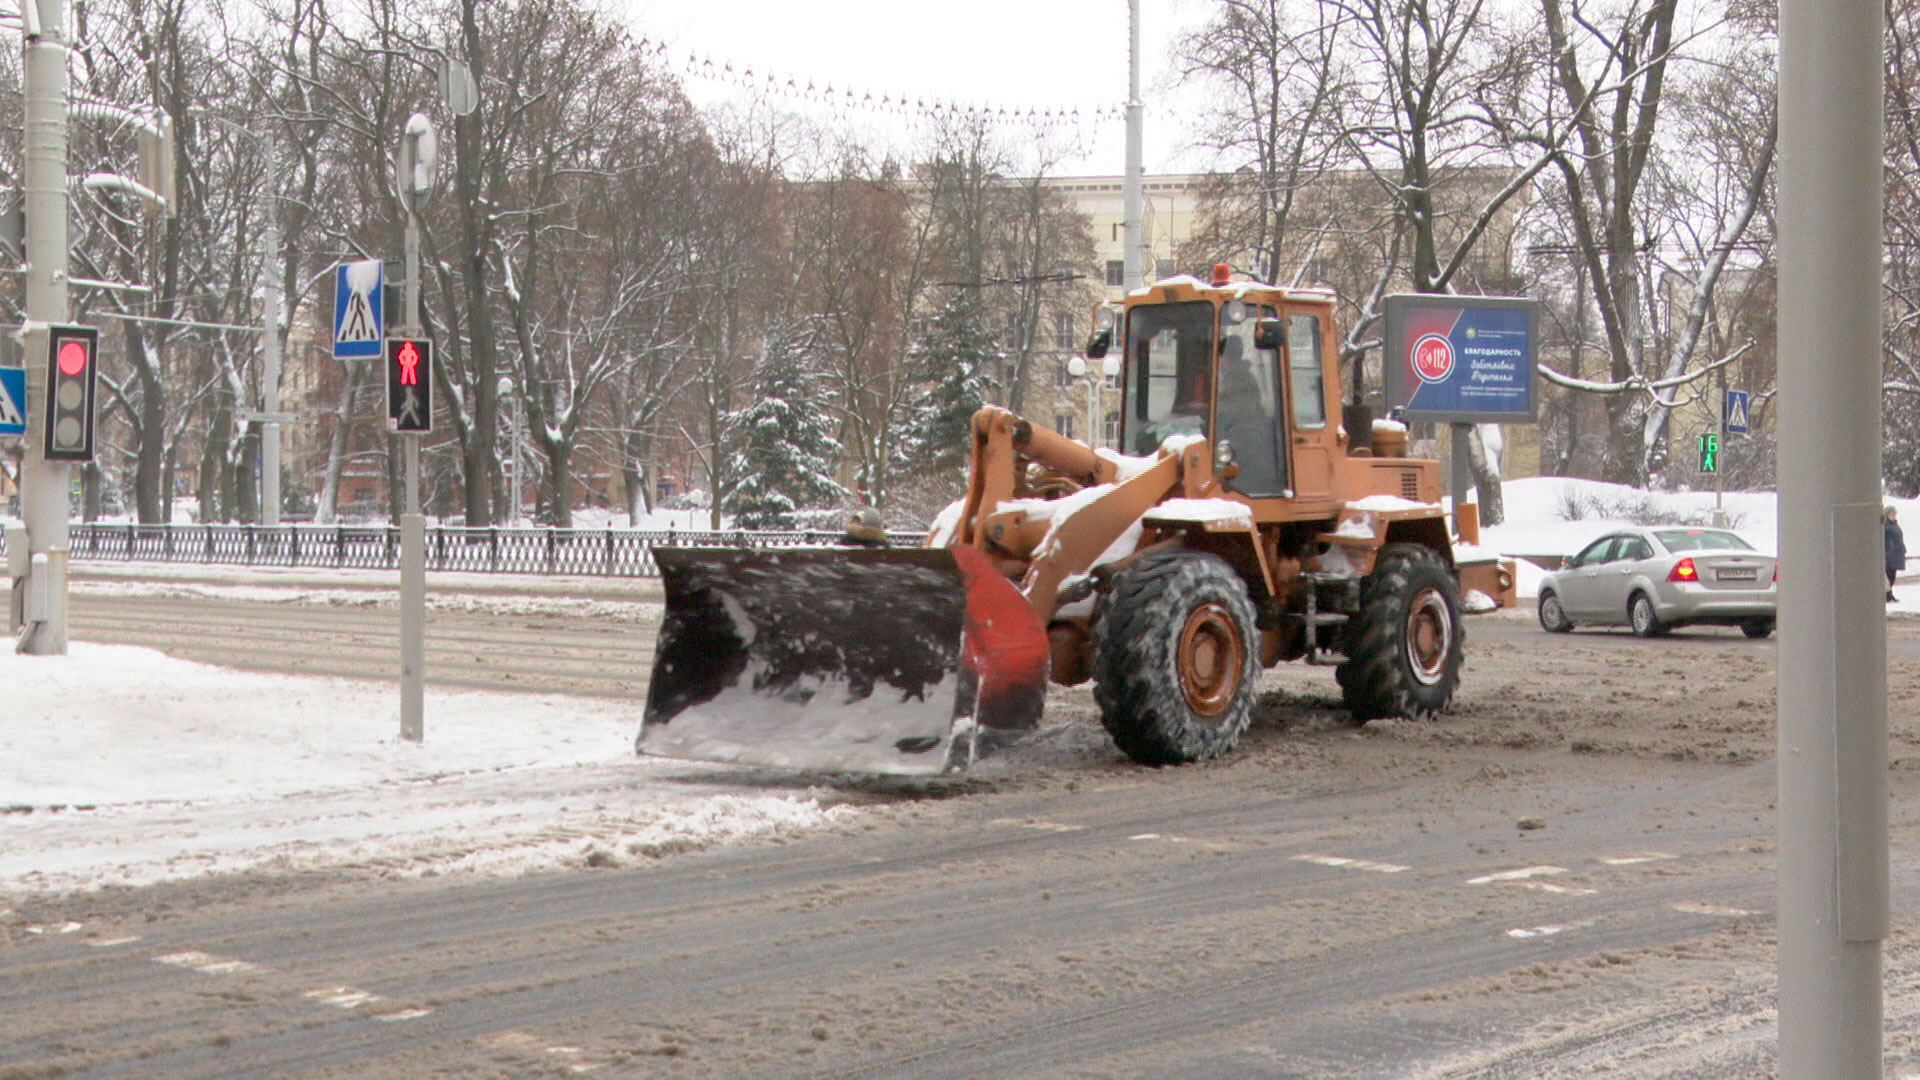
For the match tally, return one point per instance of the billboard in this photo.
(1462, 359)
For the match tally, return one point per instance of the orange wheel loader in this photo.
(1245, 519)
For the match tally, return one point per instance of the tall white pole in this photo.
(44, 501)
(270, 344)
(413, 525)
(1832, 817)
(1132, 209)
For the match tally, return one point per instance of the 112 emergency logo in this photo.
(1432, 357)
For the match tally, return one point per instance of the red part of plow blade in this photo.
(881, 660)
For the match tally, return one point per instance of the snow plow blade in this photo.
(880, 660)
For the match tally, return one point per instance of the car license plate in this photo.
(1736, 575)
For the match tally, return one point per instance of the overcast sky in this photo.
(1003, 53)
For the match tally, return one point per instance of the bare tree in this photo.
(1608, 177)
(1278, 74)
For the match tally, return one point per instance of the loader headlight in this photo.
(1223, 453)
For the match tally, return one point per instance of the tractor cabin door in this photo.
(1312, 442)
(1248, 406)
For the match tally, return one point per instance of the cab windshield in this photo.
(1169, 368)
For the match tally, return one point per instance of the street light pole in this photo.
(416, 160)
(44, 502)
(1132, 270)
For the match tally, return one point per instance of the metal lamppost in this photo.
(1096, 419)
(43, 482)
(414, 176)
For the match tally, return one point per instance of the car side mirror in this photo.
(1266, 334)
(1099, 343)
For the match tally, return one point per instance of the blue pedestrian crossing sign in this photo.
(359, 325)
(13, 401)
(1737, 412)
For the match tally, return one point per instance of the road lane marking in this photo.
(1043, 826)
(345, 997)
(1210, 845)
(1564, 890)
(1710, 909)
(528, 1045)
(209, 964)
(403, 1014)
(1352, 864)
(1517, 875)
(1537, 931)
(1631, 860)
(59, 928)
(108, 943)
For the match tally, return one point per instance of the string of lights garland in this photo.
(788, 86)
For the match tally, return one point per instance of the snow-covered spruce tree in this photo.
(786, 451)
(950, 368)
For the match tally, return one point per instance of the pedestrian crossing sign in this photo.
(359, 325)
(13, 401)
(1737, 412)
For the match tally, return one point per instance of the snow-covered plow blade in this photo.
(883, 660)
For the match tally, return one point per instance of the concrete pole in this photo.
(270, 344)
(1130, 231)
(413, 525)
(1832, 818)
(44, 502)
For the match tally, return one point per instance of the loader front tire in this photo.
(1176, 659)
(1404, 645)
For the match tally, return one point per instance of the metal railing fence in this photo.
(607, 552)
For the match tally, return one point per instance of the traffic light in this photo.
(1710, 452)
(73, 353)
(409, 385)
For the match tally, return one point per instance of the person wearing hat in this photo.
(1896, 548)
(865, 529)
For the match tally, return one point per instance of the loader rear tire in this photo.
(1404, 645)
(1175, 659)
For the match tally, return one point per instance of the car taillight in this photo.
(1776, 573)
(1683, 571)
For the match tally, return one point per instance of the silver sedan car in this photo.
(1657, 578)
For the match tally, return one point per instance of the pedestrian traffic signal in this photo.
(1710, 452)
(409, 385)
(72, 355)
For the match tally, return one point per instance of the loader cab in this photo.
(1246, 372)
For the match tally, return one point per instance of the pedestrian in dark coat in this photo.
(1896, 548)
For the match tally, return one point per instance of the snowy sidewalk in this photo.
(121, 765)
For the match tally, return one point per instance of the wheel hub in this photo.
(1429, 636)
(1210, 659)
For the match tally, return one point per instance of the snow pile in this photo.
(1202, 511)
(1359, 526)
(1386, 503)
(1556, 515)
(1127, 466)
(125, 766)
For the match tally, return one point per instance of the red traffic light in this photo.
(71, 351)
(409, 384)
(409, 360)
(73, 358)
